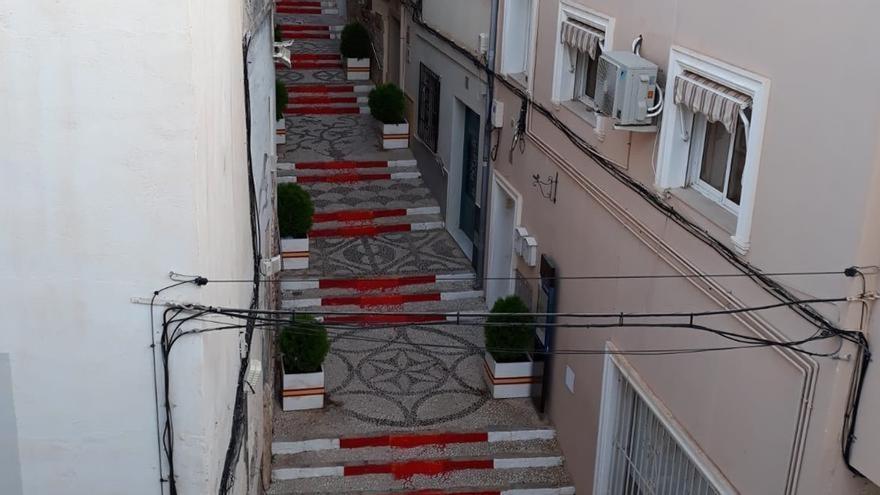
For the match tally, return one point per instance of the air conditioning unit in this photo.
(625, 86)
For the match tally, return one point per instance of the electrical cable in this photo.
(577, 277)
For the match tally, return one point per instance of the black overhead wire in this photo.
(572, 277)
(274, 320)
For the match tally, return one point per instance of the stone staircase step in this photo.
(305, 288)
(387, 225)
(366, 301)
(407, 469)
(350, 177)
(345, 165)
(348, 98)
(478, 475)
(363, 284)
(526, 489)
(303, 89)
(372, 214)
(325, 110)
(410, 439)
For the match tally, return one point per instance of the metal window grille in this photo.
(429, 107)
(645, 458)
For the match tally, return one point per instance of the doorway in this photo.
(504, 215)
(470, 168)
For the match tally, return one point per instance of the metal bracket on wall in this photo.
(551, 183)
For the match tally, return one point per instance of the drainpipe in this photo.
(481, 255)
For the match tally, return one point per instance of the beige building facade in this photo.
(790, 184)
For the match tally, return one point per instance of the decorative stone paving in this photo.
(394, 377)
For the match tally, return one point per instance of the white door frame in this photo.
(501, 185)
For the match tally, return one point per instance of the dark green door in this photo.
(467, 218)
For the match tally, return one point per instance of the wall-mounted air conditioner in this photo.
(625, 88)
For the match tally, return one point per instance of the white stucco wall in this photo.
(461, 84)
(462, 20)
(124, 158)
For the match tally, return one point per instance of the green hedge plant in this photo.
(388, 104)
(278, 37)
(295, 211)
(509, 338)
(355, 41)
(304, 345)
(281, 99)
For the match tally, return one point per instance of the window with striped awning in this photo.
(717, 102)
(581, 37)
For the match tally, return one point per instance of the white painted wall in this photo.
(461, 84)
(462, 20)
(124, 158)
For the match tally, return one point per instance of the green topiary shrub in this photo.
(355, 41)
(281, 99)
(388, 104)
(295, 210)
(278, 37)
(304, 345)
(509, 338)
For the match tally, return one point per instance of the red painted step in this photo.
(301, 57)
(321, 88)
(383, 300)
(316, 65)
(302, 27)
(378, 283)
(323, 110)
(380, 319)
(406, 441)
(299, 10)
(306, 36)
(347, 177)
(301, 100)
(356, 215)
(299, 3)
(361, 230)
(408, 469)
(340, 165)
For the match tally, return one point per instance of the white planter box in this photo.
(510, 380)
(295, 253)
(357, 69)
(395, 136)
(303, 391)
(280, 131)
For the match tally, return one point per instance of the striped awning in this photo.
(717, 102)
(582, 38)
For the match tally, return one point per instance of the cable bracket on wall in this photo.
(551, 183)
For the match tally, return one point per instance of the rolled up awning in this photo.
(717, 102)
(582, 38)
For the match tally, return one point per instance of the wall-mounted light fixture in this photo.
(551, 183)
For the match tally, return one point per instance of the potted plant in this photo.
(277, 34)
(303, 345)
(387, 104)
(510, 370)
(355, 49)
(295, 210)
(281, 99)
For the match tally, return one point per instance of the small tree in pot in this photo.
(388, 105)
(295, 211)
(510, 336)
(355, 49)
(303, 345)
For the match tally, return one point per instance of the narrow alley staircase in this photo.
(406, 406)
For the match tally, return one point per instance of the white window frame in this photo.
(563, 76)
(695, 163)
(616, 366)
(673, 159)
(529, 56)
